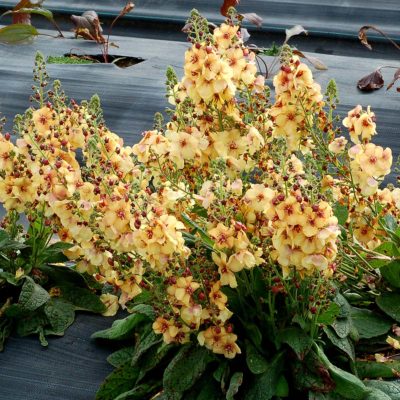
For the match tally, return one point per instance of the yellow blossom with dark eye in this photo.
(182, 291)
(224, 35)
(223, 236)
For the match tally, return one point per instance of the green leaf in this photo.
(342, 327)
(343, 344)
(345, 307)
(81, 298)
(282, 387)
(31, 324)
(121, 328)
(54, 252)
(17, 34)
(234, 385)
(120, 357)
(341, 213)
(373, 369)
(206, 388)
(119, 381)
(389, 303)
(347, 384)
(186, 368)
(144, 343)
(329, 315)
(139, 392)
(376, 394)
(368, 323)
(264, 386)
(297, 339)
(40, 11)
(391, 272)
(255, 361)
(392, 389)
(203, 234)
(32, 295)
(60, 314)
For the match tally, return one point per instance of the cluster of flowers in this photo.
(231, 183)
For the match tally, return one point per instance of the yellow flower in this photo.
(111, 303)
(183, 290)
(223, 236)
(393, 342)
(217, 297)
(225, 34)
(259, 197)
(227, 275)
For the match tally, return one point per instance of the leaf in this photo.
(343, 344)
(316, 63)
(121, 356)
(391, 273)
(362, 35)
(373, 369)
(294, 31)
(372, 81)
(376, 394)
(82, 299)
(342, 327)
(121, 328)
(205, 238)
(282, 387)
(27, 11)
(255, 361)
(32, 295)
(389, 303)
(52, 253)
(17, 34)
(88, 26)
(234, 385)
(227, 4)
(60, 315)
(139, 392)
(186, 368)
(396, 77)
(24, 18)
(392, 389)
(329, 315)
(31, 324)
(347, 385)
(345, 307)
(298, 340)
(341, 212)
(368, 323)
(145, 342)
(253, 18)
(119, 381)
(206, 388)
(264, 386)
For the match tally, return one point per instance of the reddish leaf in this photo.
(370, 82)
(253, 18)
(396, 77)
(24, 18)
(227, 5)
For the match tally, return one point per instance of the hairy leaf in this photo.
(373, 369)
(343, 344)
(255, 361)
(121, 356)
(297, 339)
(60, 315)
(32, 295)
(234, 385)
(389, 303)
(119, 381)
(368, 323)
(186, 368)
(392, 389)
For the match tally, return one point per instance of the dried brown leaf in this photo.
(362, 35)
(314, 61)
(227, 4)
(396, 77)
(88, 26)
(253, 18)
(372, 81)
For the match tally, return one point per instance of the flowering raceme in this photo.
(236, 193)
